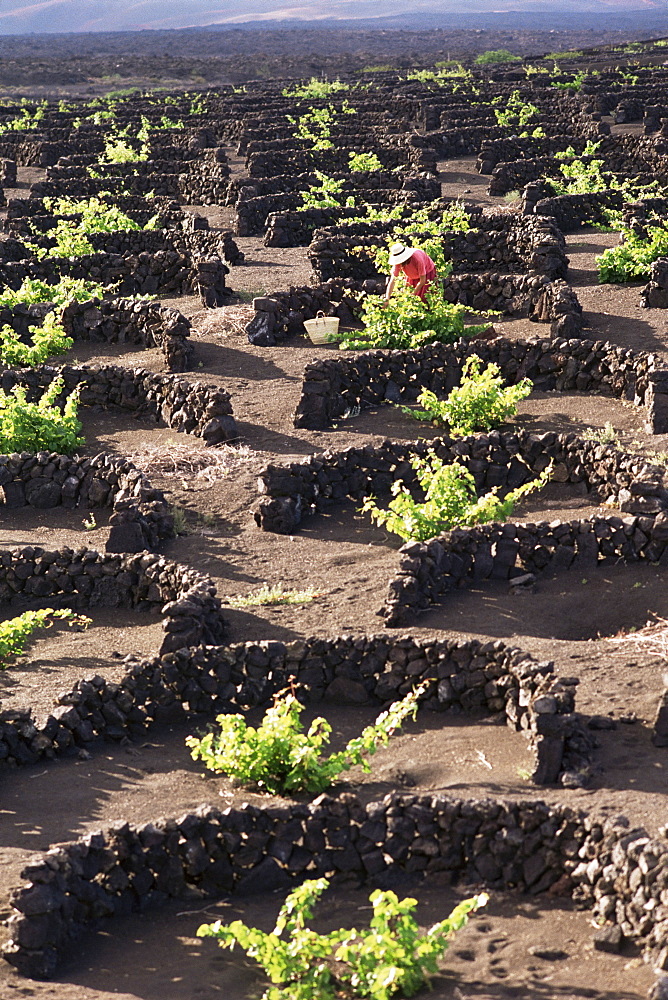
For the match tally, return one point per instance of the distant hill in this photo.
(57, 47)
(65, 16)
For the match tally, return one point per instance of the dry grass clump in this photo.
(273, 595)
(651, 638)
(226, 320)
(178, 458)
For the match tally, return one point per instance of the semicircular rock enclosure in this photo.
(209, 514)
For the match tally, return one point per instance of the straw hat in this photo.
(399, 254)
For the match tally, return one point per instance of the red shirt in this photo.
(417, 265)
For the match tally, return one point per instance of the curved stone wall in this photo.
(25, 213)
(190, 407)
(168, 272)
(302, 161)
(498, 459)
(606, 865)
(140, 517)
(498, 241)
(655, 294)
(460, 677)
(201, 245)
(88, 579)
(334, 386)
(114, 321)
(428, 571)
(281, 314)
(526, 147)
(295, 227)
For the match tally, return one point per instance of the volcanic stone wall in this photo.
(242, 189)
(283, 313)
(534, 296)
(335, 386)
(454, 134)
(8, 172)
(32, 150)
(119, 321)
(617, 871)
(171, 161)
(378, 126)
(303, 161)
(116, 871)
(114, 321)
(450, 143)
(202, 184)
(27, 215)
(513, 175)
(571, 211)
(621, 878)
(141, 517)
(46, 146)
(497, 241)
(428, 571)
(252, 213)
(632, 154)
(655, 294)
(165, 186)
(194, 245)
(509, 149)
(283, 137)
(291, 143)
(200, 179)
(496, 460)
(190, 407)
(513, 241)
(89, 580)
(295, 228)
(166, 272)
(458, 677)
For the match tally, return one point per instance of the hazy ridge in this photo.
(64, 16)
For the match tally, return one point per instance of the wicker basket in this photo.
(323, 329)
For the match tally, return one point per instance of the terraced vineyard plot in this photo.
(592, 742)
(57, 659)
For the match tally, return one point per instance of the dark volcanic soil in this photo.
(348, 562)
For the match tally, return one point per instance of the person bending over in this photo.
(416, 266)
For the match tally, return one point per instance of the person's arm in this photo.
(390, 287)
(418, 289)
